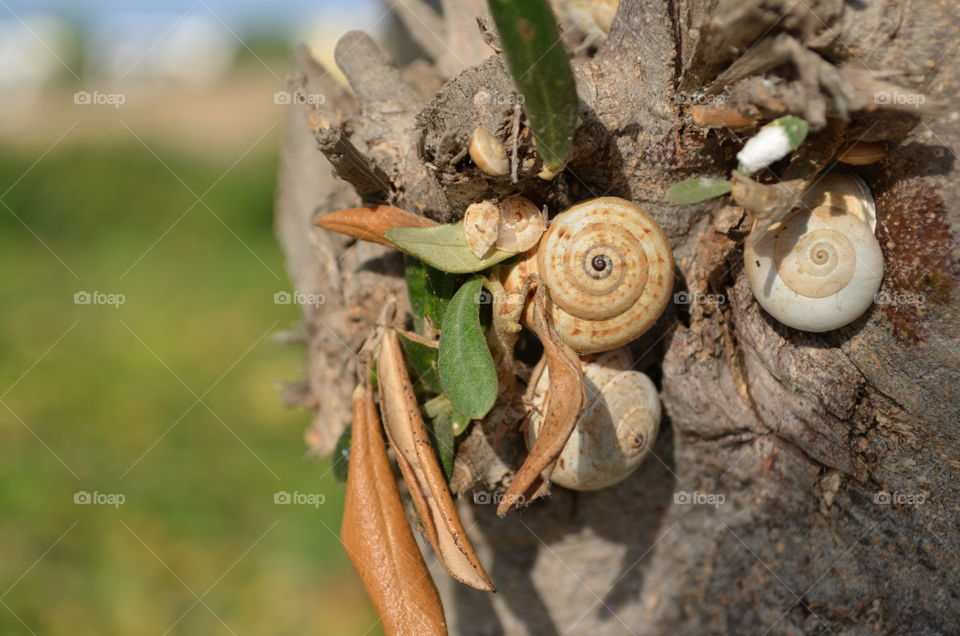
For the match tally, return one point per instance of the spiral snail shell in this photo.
(613, 433)
(609, 270)
(820, 268)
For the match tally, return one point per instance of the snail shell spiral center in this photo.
(816, 264)
(602, 271)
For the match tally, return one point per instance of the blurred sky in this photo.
(199, 36)
(243, 13)
(160, 56)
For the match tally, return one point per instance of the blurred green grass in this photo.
(104, 399)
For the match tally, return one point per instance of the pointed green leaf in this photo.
(443, 247)
(441, 406)
(795, 127)
(467, 374)
(697, 190)
(460, 422)
(541, 72)
(429, 290)
(422, 360)
(440, 413)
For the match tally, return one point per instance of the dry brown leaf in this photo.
(564, 401)
(377, 536)
(371, 223)
(421, 471)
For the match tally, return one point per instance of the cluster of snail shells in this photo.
(615, 430)
(608, 268)
(821, 267)
(514, 224)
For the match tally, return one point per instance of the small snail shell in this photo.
(521, 224)
(488, 153)
(481, 222)
(819, 269)
(615, 430)
(609, 271)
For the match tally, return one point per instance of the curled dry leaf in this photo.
(766, 202)
(861, 153)
(377, 536)
(521, 224)
(371, 223)
(564, 401)
(421, 471)
(481, 223)
(719, 116)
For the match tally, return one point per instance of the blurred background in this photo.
(150, 481)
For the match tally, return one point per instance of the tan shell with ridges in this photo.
(481, 223)
(609, 270)
(616, 428)
(521, 224)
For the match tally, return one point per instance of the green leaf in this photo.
(441, 406)
(795, 127)
(467, 374)
(341, 455)
(697, 190)
(446, 424)
(443, 247)
(422, 360)
(430, 290)
(441, 433)
(460, 422)
(541, 72)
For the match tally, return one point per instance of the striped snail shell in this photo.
(609, 270)
(616, 428)
(820, 268)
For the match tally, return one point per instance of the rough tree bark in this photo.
(799, 432)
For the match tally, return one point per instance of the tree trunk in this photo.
(831, 460)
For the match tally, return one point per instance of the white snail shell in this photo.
(609, 270)
(820, 268)
(521, 224)
(481, 223)
(615, 430)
